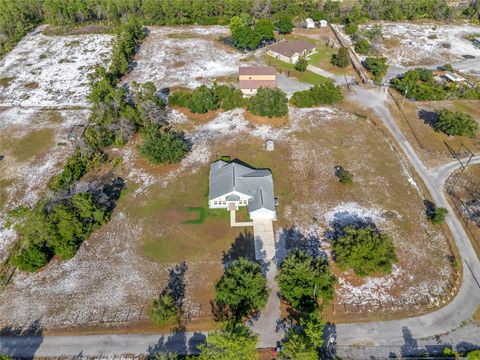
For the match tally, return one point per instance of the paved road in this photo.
(468, 299)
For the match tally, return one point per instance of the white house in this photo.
(234, 184)
(323, 23)
(309, 23)
(290, 51)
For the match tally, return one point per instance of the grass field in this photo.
(306, 76)
(33, 144)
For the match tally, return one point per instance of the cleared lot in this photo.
(51, 70)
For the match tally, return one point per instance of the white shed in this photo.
(323, 23)
(270, 145)
(309, 23)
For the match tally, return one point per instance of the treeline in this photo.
(17, 17)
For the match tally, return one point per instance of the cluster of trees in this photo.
(162, 146)
(377, 66)
(326, 93)
(419, 84)
(203, 99)
(55, 228)
(365, 250)
(306, 283)
(248, 33)
(269, 102)
(456, 123)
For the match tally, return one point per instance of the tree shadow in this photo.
(242, 246)
(430, 208)
(429, 117)
(410, 347)
(176, 283)
(342, 219)
(294, 239)
(21, 342)
(179, 343)
(465, 347)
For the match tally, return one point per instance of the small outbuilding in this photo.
(270, 145)
(323, 23)
(309, 23)
(450, 76)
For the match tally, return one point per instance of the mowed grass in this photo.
(306, 76)
(31, 145)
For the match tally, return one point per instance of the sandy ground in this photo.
(51, 70)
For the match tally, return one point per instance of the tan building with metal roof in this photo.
(251, 78)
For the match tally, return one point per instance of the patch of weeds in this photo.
(6, 81)
(73, 43)
(432, 37)
(476, 315)
(64, 60)
(361, 116)
(61, 143)
(4, 184)
(202, 215)
(32, 85)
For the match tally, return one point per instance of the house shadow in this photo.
(21, 343)
(180, 343)
(429, 117)
(242, 246)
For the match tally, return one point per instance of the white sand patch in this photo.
(345, 214)
(185, 61)
(52, 70)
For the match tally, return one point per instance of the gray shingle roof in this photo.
(238, 176)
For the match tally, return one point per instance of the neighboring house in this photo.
(309, 23)
(251, 78)
(234, 184)
(323, 23)
(450, 76)
(290, 51)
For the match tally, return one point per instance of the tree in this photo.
(202, 100)
(456, 123)
(438, 215)
(303, 279)
(364, 250)
(473, 355)
(162, 147)
(325, 93)
(242, 288)
(31, 258)
(163, 309)
(342, 58)
(268, 102)
(351, 28)
(362, 46)
(377, 66)
(301, 64)
(264, 29)
(228, 97)
(345, 177)
(304, 340)
(284, 24)
(234, 342)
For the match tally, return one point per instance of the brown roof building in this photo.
(290, 51)
(252, 78)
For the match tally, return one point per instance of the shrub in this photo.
(345, 177)
(456, 123)
(351, 28)
(473, 355)
(73, 170)
(438, 215)
(228, 97)
(325, 93)
(362, 46)
(303, 279)
(301, 64)
(234, 341)
(31, 258)
(365, 250)
(342, 58)
(179, 98)
(268, 102)
(377, 66)
(161, 147)
(202, 100)
(242, 288)
(163, 309)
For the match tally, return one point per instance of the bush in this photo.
(303, 279)
(325, 93)
(234, 341)
(179, 98)
(362, 46)
(438, 215)
(473, 355)
(74, 169)
(163, 309)
(202, 100)
(242, 288)
(161, 147)
(351, 28)
(301, 64)
(365, 250)
(268, 102)
(228, 97)
(345, 177)
(456, 123)
(342, 58)
(31, 258)
(377, 66)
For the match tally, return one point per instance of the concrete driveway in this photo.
(264, 239)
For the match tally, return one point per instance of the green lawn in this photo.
(307, 76)
(33, 144)
(322, 59)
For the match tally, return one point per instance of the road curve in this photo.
(467, 300)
